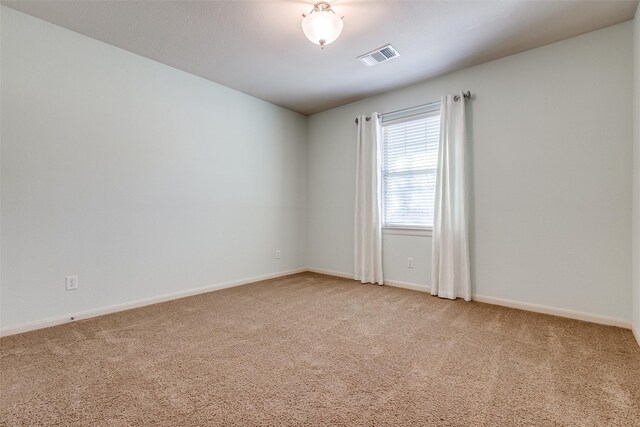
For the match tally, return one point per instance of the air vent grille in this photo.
(377, 56)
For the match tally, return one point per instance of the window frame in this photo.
(397, 118)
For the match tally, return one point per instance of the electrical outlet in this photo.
(71, 283)
(410, 262)
(277, 253)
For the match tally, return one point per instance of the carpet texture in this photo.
(310, 349)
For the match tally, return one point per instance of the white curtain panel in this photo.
(450, 259)
(368, 225)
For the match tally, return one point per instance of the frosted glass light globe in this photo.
(322, 26)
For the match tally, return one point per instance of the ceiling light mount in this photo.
(322, 26)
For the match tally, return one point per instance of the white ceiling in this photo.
(258, 47)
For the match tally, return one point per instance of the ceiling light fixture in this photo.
(322, 26)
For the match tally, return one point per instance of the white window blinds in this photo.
(409, 164)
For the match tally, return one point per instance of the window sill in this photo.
(408, 231)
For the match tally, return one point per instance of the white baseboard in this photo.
(58, 320)
(95, 312)
(554, 311)
(331, 273)
(407, 285)
(394, 283)
(561, 312)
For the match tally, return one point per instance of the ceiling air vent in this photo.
(377, 56)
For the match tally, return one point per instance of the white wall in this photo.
(139, 178)
(550, 142)
(636, 178)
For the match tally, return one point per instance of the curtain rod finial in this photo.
(465, 95)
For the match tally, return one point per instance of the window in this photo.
(409, 167)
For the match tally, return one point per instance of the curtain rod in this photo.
(466, 95)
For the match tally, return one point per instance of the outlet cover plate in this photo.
(71, 283)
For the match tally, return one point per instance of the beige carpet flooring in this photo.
(310, 349)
